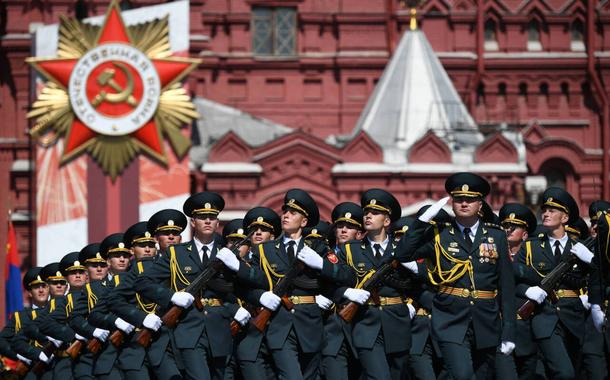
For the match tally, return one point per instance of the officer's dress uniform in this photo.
(293, 337)
(558, 329)
(27, 339)
(465, 311)
(203, 337)
(381, 333)
(133, 308)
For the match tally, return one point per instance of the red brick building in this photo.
(534, 70)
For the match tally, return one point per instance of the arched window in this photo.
(533, 36)
(490, 35)
(577, 36)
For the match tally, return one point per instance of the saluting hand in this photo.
(433, 210)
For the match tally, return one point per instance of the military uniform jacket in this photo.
(174, 272)
(13, 325)
(55, 322)
(486, 266)
(393, 321)
(269, 263)
(133, 308)
(535, 260)
(421, 324)
(27, 339)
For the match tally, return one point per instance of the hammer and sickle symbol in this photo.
(106, 78)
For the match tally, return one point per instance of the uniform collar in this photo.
(473, 228)
(383, 244)
(562, 241)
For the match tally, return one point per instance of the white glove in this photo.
(582, 252)
(56, 342)
(228, 258)
(535, 293)
(411, 265)
(323, 302)
(270, 300)
(101, 334)
(124, 326)
(242, 316)
(45, 358)
(431, 212)
(310, 258)
(153, 322)
(80, 337)
(182, 299)
(357, 295)
(411, 310)
(507, 347)
(585, 301)
(24, 359)
(598, 317)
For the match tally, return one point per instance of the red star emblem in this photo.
(115, 90)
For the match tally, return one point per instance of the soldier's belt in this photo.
(422, 312)
(384, 301)
(211, 302)
(467, 293)
(566, 293)
(298, 300)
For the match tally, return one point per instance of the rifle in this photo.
(281, 289)
(39, 366)
(548, 284)
(75, 349)
(21, 370)
(170, 318)
(350, 309)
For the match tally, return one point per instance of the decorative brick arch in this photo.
(429, 149)
(496, 149)
(230, 148)
(362, 149)
(554, 148)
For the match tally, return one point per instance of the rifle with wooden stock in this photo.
(280, 289)
(38, 366)
(170, 318)
(351, 308)
(549, 283)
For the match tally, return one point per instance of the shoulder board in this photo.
(492, 225)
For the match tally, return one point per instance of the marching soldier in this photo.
(381, 330)
(338, 351)
(262, 224)
(28, 340)
(234, 233)
(558, 329)
(471, 266)
(38, 291)
(139, 312)
(294, 337)
(54, 324)
(118, 256)
(519, 223)
(166, 226)
(203, 336)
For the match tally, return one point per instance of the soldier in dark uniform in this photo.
(294, 337)
(519, 223)
(123, 301)
(338, 352)
(558, 329)
(114, 249)
(381, 330)
(38, 291)
(28, 340)
(233, 233)
(470, 263)
(54, 324)
(166, 226)
(203, 337)
(97, 269)
(262, 224)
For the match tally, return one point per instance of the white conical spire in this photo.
(415, 95)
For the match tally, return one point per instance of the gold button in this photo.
(205, 312)
(292, 311)
(380, 307)
(558, 308)
(472, 302)
(470, 257)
